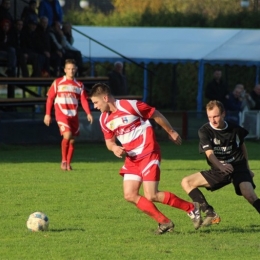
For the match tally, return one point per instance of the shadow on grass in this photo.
(231, 229)
(66, 229)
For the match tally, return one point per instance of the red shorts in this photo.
(68, 124)
(147, 167)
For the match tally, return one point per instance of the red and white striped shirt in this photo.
(66, 94)
(130, 124)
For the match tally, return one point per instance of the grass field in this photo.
(89, 218)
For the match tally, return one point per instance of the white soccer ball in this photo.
(37, 221)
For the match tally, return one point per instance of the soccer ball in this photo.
(37, 221)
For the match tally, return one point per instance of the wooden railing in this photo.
(24, 83)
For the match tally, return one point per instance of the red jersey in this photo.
(66, 94)
(130, 124)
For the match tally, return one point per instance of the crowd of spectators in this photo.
(38, 38)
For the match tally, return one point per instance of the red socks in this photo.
(70, 153)
(170, 199)
(64, 149)
(150, 209)
(174, 201)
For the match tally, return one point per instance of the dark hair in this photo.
(215, 103)
(99, 89)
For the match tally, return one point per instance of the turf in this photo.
(89, 218)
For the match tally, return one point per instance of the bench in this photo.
(24, 83)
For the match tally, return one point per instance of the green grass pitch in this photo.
(89, 218)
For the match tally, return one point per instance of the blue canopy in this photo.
(170, 45)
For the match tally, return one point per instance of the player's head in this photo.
(216, 114)
(70, 68)
(100, 95)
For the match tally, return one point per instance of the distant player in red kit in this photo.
(128, 121)
(66, 92)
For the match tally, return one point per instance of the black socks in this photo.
(197, 195)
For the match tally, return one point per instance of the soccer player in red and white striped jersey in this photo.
(128, 121)
(66, 92)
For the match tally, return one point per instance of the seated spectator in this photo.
(7, 51)
(29, 41)
(52, 10)
(4, 12)
(255, 94)
(29, 12)
(233, 103)
(117, 81)
(71, 51)
(24, 57)
(247, 101)
(67, 30)
(43, 47)
(61, 46)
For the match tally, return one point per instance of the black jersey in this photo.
(226, 143)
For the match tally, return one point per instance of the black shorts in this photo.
(217, 179)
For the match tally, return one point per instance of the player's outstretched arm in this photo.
(165, 124)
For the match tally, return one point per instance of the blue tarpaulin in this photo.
(170, 45)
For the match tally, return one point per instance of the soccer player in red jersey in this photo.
(66, 92)
(128, 121)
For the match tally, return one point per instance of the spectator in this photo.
(24, 57)
(233, 103)
(57, 41)
(217, 89)
(249, 120)
(247, 101)
(4, 12)
(52, 10)
(61, 46)
(117, 81)
(71, 51)
(29, 12)
(6, 50)
(43, 47)
(28, 37)
(66, 28)
(255, 94)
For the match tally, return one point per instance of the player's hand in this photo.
(118, 151)
(47, 120)
(227, 168)
(175, 137)
(90, 118)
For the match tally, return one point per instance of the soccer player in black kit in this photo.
(226, 154)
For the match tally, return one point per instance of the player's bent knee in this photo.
(185, 183)
(130, 197)
(151, 197)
